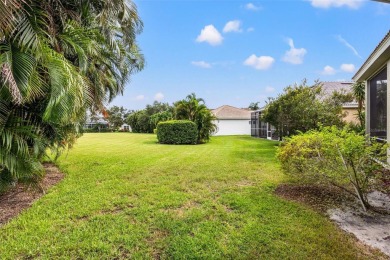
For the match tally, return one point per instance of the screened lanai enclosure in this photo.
(378, 105)
(262, 129)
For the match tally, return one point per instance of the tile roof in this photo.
(329, 87)
(229, 112)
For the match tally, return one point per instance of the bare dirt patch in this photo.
(21, 196)
(371, 228)
(319, 198)
(183, 209)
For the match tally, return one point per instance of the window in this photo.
(378, 105)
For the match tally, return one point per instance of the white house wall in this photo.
(233, 127)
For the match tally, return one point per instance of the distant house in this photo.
(125, 128)
(350, 109)
(374, 73)
(97, 122)
(232, 120)
(262, 129)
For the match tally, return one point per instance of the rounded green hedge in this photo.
(177, 132)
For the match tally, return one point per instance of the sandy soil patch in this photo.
(371, 228)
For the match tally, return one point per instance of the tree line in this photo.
(145, 121)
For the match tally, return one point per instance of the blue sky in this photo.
(237, 52)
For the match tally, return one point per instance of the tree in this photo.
(301, 108)
(157, 107)
(145, 121)
(160, 117)
(57, 59)
(116, 116)
(139, 122)
(194, 109)
(254, 106)
(359, 93)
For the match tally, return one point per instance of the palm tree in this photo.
(359, 93)
(254, 106)
(194, 109)
(59, 58)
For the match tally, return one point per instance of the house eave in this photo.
(375, 61)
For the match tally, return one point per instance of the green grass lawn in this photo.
(125, 196)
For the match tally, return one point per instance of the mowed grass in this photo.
(125, 196)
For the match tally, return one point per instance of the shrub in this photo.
(177, 132)
(340, 157)
(195, 109)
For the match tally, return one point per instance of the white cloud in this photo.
(259, 63)
(159, 96)
(252, 7)
(328, 70)
(353, 4)
(140, 97)
(232, 26)
(269, 89)
(348, 45)
(201, 64)
(250, 29)
(347, 67)
(294, 55)
(210, 35)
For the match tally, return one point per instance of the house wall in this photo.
(350, 115)
(233, 127)
(122, 128)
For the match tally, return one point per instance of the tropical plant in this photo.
(359, 93)
(194, 109)
(254, 106)
(57, 59)
(342, 158)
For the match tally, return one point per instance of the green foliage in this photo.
(116, 116)
(359, 93)
(57, 60)
(194, 109)
(160, 117)
(144, 121)
(177, 132)
(301, 108)
(158, 107)
(340, 157)
(254, 105)
(139, 122)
